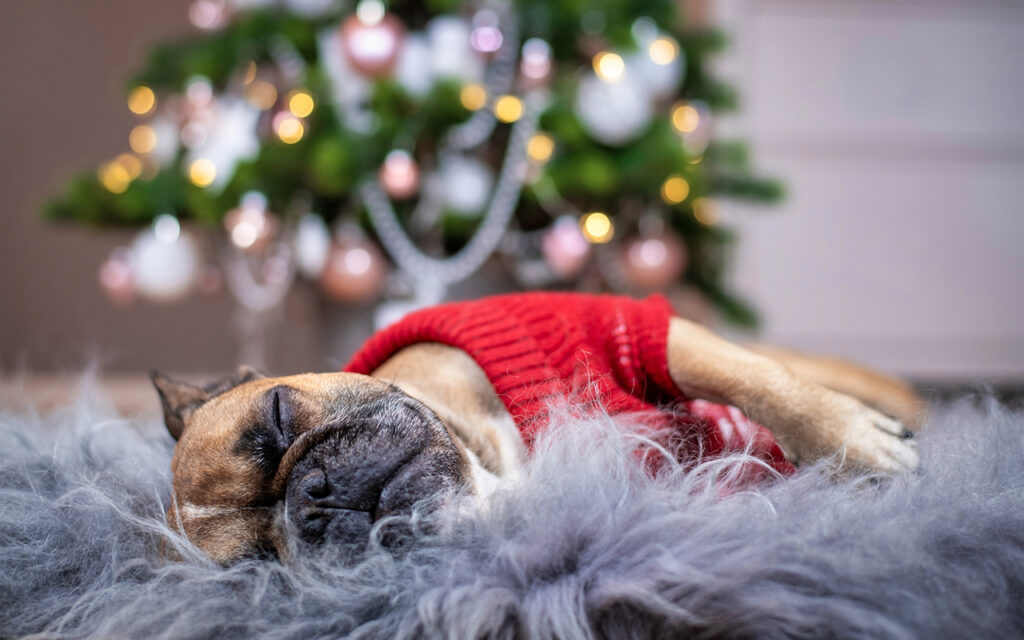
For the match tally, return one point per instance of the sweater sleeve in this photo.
(639, 345)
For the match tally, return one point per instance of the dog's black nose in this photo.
(322, 509)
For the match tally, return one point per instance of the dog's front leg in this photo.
(809, 420)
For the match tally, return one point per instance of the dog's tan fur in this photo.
(220, 504)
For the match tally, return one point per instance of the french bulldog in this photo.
(449, 399)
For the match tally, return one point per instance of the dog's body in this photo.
(323, 456)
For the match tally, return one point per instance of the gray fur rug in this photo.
(585, 546)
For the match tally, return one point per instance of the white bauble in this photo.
(231, 138)
(164, 268)
(613, 112)
(466, 183)
(413, 70)
(451, 54)
(661, 80)
(312, 244)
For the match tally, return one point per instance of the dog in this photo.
(450, 399)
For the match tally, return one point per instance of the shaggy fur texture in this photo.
(584, 546)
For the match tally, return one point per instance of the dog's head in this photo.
(262, 463)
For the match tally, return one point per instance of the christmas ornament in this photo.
(413, 71)
(485, 37)
(564, 248)
(231, 139)
(535, 65)
(116, 277)
(399, 175)
(208, 15)
(613, 112)
(654, 262)
(355, 269)
(466, 183)
(165, 261)
(312, 242)
(371, 39)
(250, 226)
(452, 56)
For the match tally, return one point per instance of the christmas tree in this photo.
(345, 141)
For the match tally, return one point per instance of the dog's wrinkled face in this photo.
(318, 458)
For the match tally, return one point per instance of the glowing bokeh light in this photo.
(597, 227)
(141, 100)
(675, 189)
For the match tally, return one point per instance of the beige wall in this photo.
(61, 110)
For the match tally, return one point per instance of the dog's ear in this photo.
(243, 374)
(178, 399)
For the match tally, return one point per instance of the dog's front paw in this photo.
(877, 442)
(858, 437)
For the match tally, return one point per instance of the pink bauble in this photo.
(372, 49)
(355, 270)
(564, 248)
(654, 262)
(399, 175)
(116, 277)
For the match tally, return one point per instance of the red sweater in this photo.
(597, 351)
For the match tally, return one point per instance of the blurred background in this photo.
(892, 127)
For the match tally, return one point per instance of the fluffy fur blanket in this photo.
(583, 546)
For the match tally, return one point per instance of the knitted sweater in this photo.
(597, 351)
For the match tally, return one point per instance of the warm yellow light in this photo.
(540, 147)
(300, 103)
(609, 66)
(142, 139)
(675, 189)
(685, 118)
(663, 50)
(202, 172)
(261, 94)
(250, 72)
(597, 227)
(114, 177)
(473, 96)
(290, 130)
(141, 100)
(704, 211)
(508, 108)
(131, 164)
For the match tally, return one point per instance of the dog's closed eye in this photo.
(270, 434)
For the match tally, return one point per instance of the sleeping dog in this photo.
(450, 399)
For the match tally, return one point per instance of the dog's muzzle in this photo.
(349, 475)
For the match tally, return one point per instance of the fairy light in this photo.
(609, 66)
(540, 147)
(370, 12)
(597, 227)
(473, 96)
(508, 109)
(705, 212)
(685, 118)
(141, 100)
(250, 72)
(261, 94)
(663, 50)
(675, 189)
(131, 164)
(289, 128)
(142, 139)
(166, 228)
(300, 103)
(114, 177)
(202, 172)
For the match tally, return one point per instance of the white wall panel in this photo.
(899, 130)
